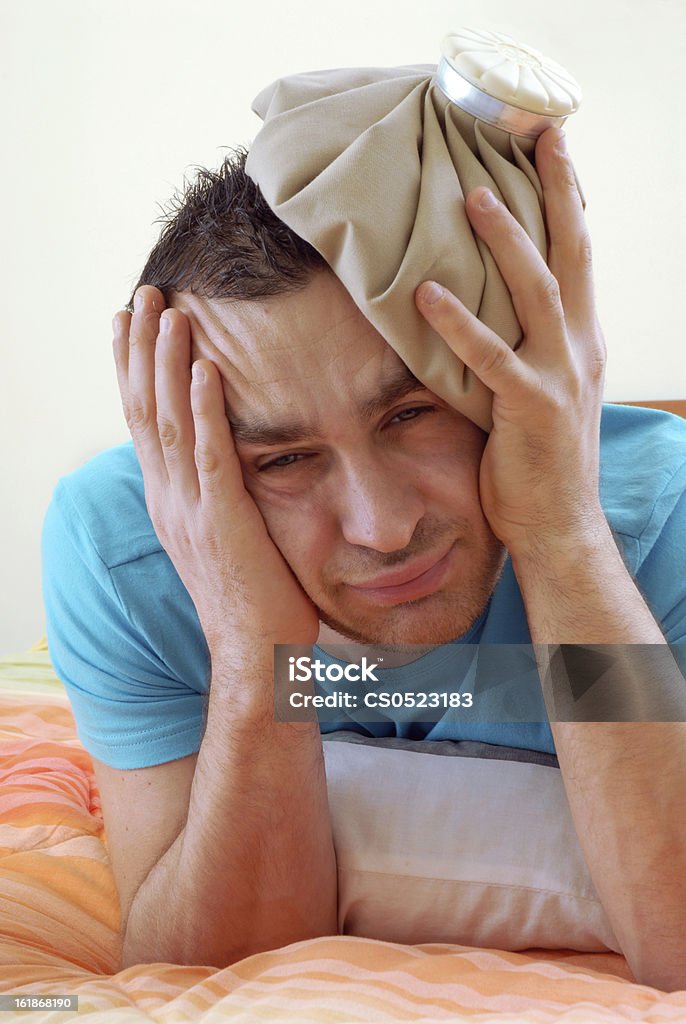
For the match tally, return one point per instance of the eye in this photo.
(412, 413)
(283, 461)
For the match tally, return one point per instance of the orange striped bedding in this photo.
(59, 921)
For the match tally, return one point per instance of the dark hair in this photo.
(221, 240)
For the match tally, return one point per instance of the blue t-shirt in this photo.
(125, 639)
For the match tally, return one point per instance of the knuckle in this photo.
(513, 231)
(207, 459)
(136, 416)
(547, 292)
(493, 360)
(146, 328)
(170, 435)
(585, 254)
(548, 395)
(170, 527)
(597, 365)
(575, 387)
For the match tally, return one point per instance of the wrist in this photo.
(578, 590)
(245, 644)
(244, 687)
(567, 550)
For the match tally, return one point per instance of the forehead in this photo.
(310, 351)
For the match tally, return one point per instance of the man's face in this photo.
(367, 481)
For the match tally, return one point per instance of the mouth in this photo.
(419, 579)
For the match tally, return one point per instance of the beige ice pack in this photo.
(371, 166)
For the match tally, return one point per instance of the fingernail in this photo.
(430, 292)
(561, 144)
(487, 201)
(198, 373)
(137, 302)
(165, 323)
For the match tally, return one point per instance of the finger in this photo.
(480, 348)
(535, 292)
(570, 257)
(172, 398)
(218, 466)
(140, 409)
(121, 323)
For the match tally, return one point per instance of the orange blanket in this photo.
(59, 919)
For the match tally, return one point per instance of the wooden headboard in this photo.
(675, 405)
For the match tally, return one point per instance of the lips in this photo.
(404, 575)
(418, 579)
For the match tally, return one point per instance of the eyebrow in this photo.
(258, 431)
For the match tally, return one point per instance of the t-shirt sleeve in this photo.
(132, 705)
(662, 572)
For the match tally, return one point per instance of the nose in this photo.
(379, 507)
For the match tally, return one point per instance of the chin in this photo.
(438, 618)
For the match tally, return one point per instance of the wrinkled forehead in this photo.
(311, 348)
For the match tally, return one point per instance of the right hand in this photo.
(244, 591)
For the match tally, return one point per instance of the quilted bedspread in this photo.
(59, 919)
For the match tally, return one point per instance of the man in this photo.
(302, 486)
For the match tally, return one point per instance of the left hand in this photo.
(539, 470)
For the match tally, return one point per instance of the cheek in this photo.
(300, 527)
(463, 442)
(448, 465)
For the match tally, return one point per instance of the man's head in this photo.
(367, 482)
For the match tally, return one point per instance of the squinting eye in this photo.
(283, 461)
(413, 413)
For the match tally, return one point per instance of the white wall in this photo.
(110, 102)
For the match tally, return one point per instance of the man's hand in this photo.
(243, 590)
(539, 472)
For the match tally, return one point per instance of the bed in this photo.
(59, 921)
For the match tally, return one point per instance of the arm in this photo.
(254, 865)
(626, 782)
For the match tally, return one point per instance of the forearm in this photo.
(625, 786)
(625, 781)
(254, 868)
